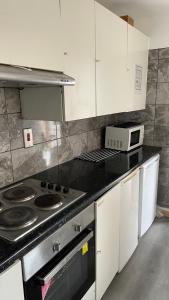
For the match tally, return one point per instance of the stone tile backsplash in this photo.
(158, 133)
(54, 142)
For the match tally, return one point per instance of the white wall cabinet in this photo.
(107, 239)
(137, 66)
(31, 34)
(11, 286)
(111, 62)
(129, 206)
(78, 29)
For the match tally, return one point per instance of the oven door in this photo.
(68, 276)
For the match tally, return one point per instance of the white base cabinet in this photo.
(11, 284)
(107, 239)
(129, 206)
(148, 193)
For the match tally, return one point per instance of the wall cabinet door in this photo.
(31, 34)
(107, 239)
(111, 62)
(138, 45)
(11, 286)
(129, 206)
(78, 25)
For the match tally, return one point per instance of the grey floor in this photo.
(146, 276)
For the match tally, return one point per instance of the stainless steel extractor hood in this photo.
(17, 76)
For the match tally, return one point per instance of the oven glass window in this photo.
(135, 138)
(72, 280)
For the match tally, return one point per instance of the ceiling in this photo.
(138, 8)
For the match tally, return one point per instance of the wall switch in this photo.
(28, 137)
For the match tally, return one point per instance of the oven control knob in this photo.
(56, 247)
(50, 186)
(65, 190)
(57, 188)
(78, 227)
(43, 184)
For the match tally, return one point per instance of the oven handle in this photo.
(65, 260)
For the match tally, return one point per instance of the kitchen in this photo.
(84, 150)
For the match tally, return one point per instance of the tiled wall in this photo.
(158, 97)
(54, 143)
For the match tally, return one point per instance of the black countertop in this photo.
(93, 178)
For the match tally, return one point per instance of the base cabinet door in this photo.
(129, 206)
(11, 286)
(138, 45)
(107, 239)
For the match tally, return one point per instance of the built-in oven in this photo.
(70, 274)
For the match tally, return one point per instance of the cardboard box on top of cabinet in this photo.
(128, 19)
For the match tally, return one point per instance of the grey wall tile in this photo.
(163, 70)
(61, 129)
(65, 152)
(164, 176)
(80, 126)
(4, 141)
(149, 135)
(94, 139)
(6, 176)
(15, 130)
(152, 71)
(78, 144)
(2, 102)
(29, 161)
(43, 131)
(163, 53)
(3, 123)
(12, 97)
(164, 157)
(162, 93)
(161, 136)
(153, 54)
(163, 196)
(151, 93)
(162, 115)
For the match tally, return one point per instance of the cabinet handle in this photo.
(132, 175)
(98, 251)
(97, 60)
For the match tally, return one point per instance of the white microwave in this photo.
(124, 137)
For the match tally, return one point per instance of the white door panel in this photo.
(79, 57)
(129, 217)
(107, 239)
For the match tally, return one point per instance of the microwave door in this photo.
(134, 138)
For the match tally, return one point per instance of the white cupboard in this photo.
(137, 66)
(107, 239)
(11, 286)
(111, 62)
(129, 206)
(78, 30)
(31, 34)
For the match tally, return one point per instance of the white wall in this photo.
(157, 28)
(150, 16)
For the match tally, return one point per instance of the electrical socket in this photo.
(28, 137)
